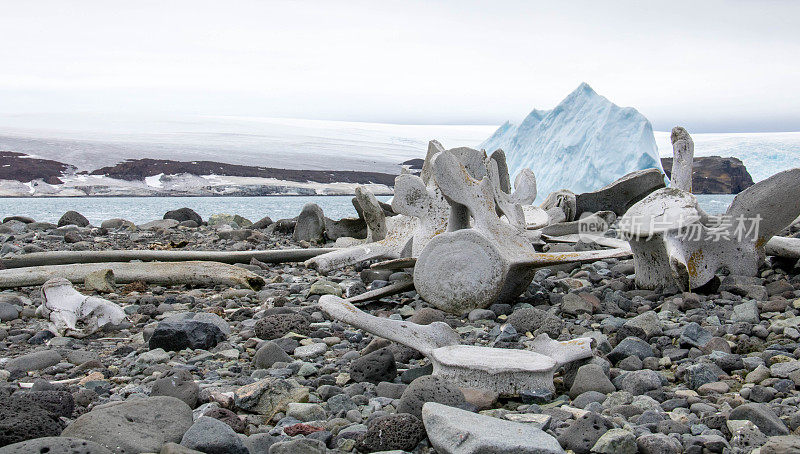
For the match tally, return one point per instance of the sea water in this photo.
(144, 209)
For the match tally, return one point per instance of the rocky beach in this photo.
(261, 369)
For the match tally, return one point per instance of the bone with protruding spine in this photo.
(506, 371)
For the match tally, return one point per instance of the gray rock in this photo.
(638, 382)
(429, 388)
(588, 397)
(746, 312)
(644, 325)
(658, 444)
(584, 432)
(693, 334)
(8, 312)
(55, 445)
(136, 425)
(274, 326)
(573, 304)
(310, 351)
(213, 436)
(762, 416)
(177, 383)
(299, 446)
(117, 223)
(782, 444)
(631, 346)
(699, 374)
(73, 218)
(310, 224)
(616, 441)
(305, 412)
(259, 443)
(34, 361)
(454, 431)
(535, 321)
(56, 401)
(100, 281)
(269, 354)
(591, 377)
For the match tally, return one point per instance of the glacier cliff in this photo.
(583, 144)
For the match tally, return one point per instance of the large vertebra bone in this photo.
(491, 261)
(675, 242)
(506, 371)
(65, 306)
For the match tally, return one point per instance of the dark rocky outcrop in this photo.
(715, 175)
(20, 167)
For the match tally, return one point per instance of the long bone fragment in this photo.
(163, 273)
(506, 371)
(65, 306)
(70, 257)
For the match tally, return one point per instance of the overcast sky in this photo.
(709, 65)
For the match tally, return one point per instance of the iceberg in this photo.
(583, 144)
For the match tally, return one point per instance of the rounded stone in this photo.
(55, 445)
(429, 388)
(375, 367)
(184, 214)
(212, 436)
(73, 218)
(269, 354)
(182, 334)
(20, 421)
(275, 326)
(177, 383)
(398, 431)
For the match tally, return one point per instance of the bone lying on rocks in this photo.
(609, 242)
(495, 261)
(395, 264)
(70, 257)
(393, 288)
(597, 222)
(620, 195)
(162, 273)
(65, 307)
(506, 371)
(675, 243)
(780, 246)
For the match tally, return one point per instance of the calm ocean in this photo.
(144, 209)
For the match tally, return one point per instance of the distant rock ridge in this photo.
(583, 144)
(23, 168)
(715, 175)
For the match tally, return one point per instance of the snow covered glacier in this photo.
(583, 144)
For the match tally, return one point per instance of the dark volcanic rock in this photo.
(177, 335)
(184, 214)
(375, 367)
(59, 403)
(398, 431)
(429, 388)
(715, 175)
(275, 326)
(73, 218)
(582, 434)
(20, 421)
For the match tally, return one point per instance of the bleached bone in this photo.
(600, 221)
(506, 371)
(65, 306)
(489, 262)
(683, 156)
(74, 257)
(508, 204)
(621, 194)
(675, 242)
(162, 273)
(783, 247)
(393, 288)
(373, 214)
(560, 206)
